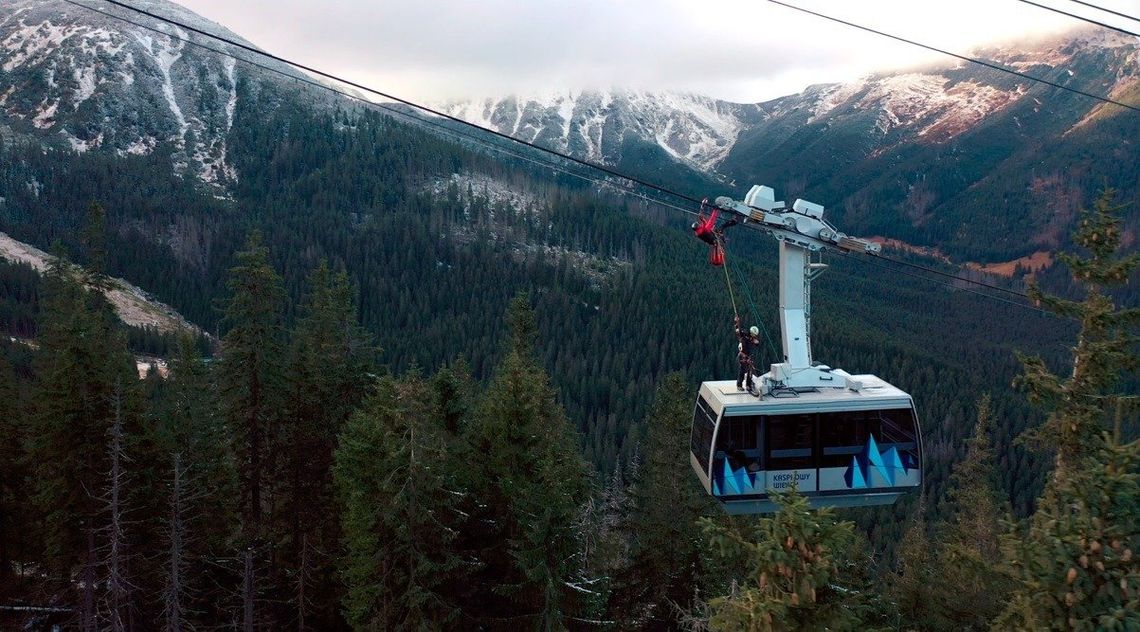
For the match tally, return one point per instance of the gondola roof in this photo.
(874, 394)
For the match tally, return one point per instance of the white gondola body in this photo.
(840, 448)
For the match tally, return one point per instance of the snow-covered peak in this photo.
(937, 104)
(690, 128)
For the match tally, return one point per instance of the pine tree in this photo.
(529, 483)
(1075, 566)
(667, 547)
(392, 479)
(793, 561)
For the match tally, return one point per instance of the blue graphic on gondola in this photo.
(730, 481)
(888, 464)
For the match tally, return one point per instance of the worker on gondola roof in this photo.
(749, 340)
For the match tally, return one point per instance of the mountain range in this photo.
(976, 163)
(971, 160)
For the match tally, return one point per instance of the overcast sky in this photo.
(741, 50)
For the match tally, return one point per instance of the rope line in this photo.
(747, 292)
(728, 282)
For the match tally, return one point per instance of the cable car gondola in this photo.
(842, 440)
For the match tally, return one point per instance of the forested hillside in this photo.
(293, 482)
(622, 294)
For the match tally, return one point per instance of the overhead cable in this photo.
(451, 131)
(952, 276)
(473, 126)
(358, 86)
(1109, 11)
(956, 56)
(1080, 17)
(872, 260)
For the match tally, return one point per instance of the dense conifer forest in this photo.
(425, 406)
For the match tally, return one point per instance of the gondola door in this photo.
(789, 453)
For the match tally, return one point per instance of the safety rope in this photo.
(727, 280)
(747, 292)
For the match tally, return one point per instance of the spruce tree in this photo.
(954, 581)
(1075, 566)
(13, 484)
(1105, 345)
(249, 374)
(970, 587)
(330, 364)
(528, 482)
(396, 502)
(200, 500)
(914, 584)
(793, 581)
(453, 392)
(82, 357)
(667, 547)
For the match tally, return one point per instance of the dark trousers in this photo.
(745, 371)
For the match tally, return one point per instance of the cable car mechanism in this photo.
(843, 440)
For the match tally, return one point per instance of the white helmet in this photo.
(754, 330)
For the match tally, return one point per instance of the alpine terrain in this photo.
(276, 358)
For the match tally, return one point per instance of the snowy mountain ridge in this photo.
(929, 105)
(692, 129)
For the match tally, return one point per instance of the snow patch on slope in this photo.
(45, 116)
(495, 193)
(85, 77)
(515, 219)
(32, 43)
(835, 96)
(923, 99)
(142, 146)
(165, 55)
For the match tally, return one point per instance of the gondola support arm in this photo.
(801, 230)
